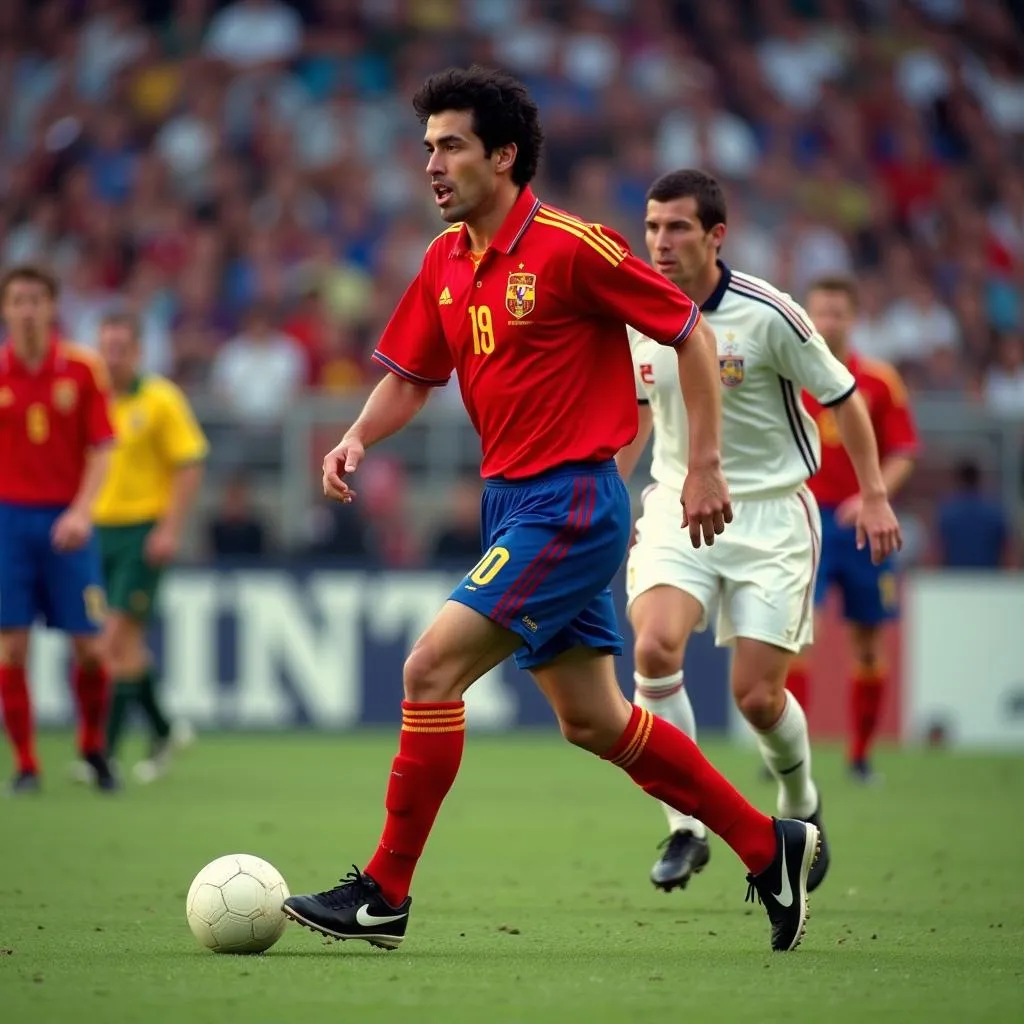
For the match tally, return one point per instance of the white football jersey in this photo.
(768, 352)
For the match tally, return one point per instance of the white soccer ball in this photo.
(234, 904)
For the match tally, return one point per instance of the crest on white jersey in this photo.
(730, 362)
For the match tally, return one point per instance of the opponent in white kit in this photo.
(759, 575)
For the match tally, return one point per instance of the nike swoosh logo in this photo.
(368, 920)
(784, 897)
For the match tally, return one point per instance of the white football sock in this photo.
(786, 749)
(667, 698)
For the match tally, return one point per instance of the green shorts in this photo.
(130, 580)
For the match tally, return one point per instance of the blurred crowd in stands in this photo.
(249, 176)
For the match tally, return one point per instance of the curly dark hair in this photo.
(502, 109)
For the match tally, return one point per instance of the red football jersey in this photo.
(536, 331)
(49, 420)
(886, 398)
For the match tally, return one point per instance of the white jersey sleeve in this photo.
(802, 355)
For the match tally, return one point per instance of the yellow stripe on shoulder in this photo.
(447, 231)
(890, 376)
(594, 232)
(590, 239)
(87, 357)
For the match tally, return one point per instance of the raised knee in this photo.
(595, 732)
(427, 677)
(584, 733)
(761, 704)
(657, 656)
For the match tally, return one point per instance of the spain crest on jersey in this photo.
(521, 294)
(65, 394)
(6, 397)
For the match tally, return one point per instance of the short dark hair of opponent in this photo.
(691, 183)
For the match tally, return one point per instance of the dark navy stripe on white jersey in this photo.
(753, 288)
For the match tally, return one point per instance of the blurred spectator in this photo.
(917, 324)
(190, 141)
(1004, 382)
(973, 531)
(260, 371)
(460, 537)
(796, 60)
(251, 33)
(236, 531)
(701, 134)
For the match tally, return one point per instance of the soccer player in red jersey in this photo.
(868, 589)
(529, 305)
(55, 428)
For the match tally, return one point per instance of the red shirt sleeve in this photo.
(99, 426)
(609, 278)
(413, 345)
(897, 433)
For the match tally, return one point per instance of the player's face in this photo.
(28, 310)
(833, 314)
(464, 178)
(120, 352)
(679, 246)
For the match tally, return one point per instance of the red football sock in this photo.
(866, 692)
(429, 753)
(798, 682)
(17, 711)
(668, 765)
(93, 696)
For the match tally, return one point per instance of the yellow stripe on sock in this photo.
(433, 712)
(459, 727)
(638, 741)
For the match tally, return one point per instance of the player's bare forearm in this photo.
(392, 404)
(858, 436)
(699, 382)
(628, 457)
(184, 489)
(896, 469)
(97, 464)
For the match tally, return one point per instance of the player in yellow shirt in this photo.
(154, 476)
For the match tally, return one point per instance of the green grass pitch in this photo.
(532, 904)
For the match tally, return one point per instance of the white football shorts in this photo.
(758, 575)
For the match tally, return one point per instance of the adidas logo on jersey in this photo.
(446, 298)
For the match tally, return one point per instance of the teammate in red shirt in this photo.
(868, 590)
(529, 305)
(54, 430)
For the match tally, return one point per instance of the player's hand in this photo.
(71, 530)
(338, 463)
(162, 544)
(706, 504)
(848, 511)
(878, 527)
